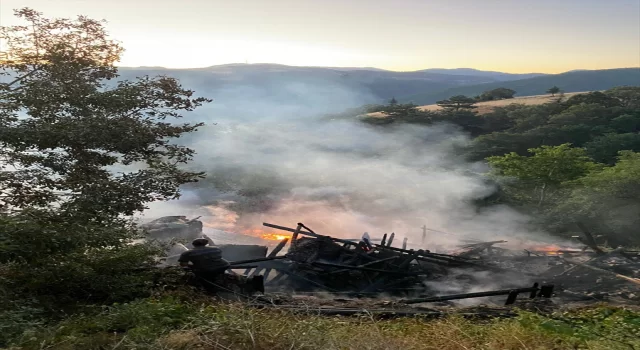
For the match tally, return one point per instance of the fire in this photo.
(273, 236)
(547, 248)
(266, 234)
(552, 249)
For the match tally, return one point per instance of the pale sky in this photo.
(547, 36)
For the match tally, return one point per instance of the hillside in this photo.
(489, 106)
(500, 76)
(569, 82)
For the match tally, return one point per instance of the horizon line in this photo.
(367, 68)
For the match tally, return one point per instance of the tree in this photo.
(496, 94)
(629, 96)
(393, 102)
(79, 154)
(540, 176)
(608, 200)
(553, 90)
(76, 126)
(457, 102)
(595, 97)
(606, 148)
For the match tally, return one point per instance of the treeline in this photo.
(565, 162)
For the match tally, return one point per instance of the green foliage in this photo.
(457, 102)
(79, 154)
(76, 126)
(609, 200)
(496, 94)
(626, 123)
(629, 96)
(619, 327)
(553, 90)
(605, 148)
(540, 176)
(595, 97)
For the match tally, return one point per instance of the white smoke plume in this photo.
(270, 159)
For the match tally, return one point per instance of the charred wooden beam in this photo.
(391, 237)
(294, 237)
(358, 268)
(368, 264)
(273, 254)
(298, 277)
(544, 291)
(241, 262)
(312, 234)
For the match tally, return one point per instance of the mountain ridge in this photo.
(572, 81)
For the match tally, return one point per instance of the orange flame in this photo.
(551, 249)
(256, 232)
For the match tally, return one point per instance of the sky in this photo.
(517, 36)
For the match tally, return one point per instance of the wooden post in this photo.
(391, 239)
(294, 237)
(424, 234)
(404, 243)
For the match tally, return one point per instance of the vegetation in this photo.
(580, 81)
(82, 152)
(553, 90)
(564, 162)
(496, 94)
(79, 154)
(186, 321)
(457, 102)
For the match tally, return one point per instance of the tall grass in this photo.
(171, 322)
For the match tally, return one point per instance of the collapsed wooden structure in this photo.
(361, 267)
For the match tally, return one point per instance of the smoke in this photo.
(273, 156)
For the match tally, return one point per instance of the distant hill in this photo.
(575, 81)
(499, 76)
(292, 81)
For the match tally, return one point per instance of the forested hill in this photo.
(572, 160)
(574, 81)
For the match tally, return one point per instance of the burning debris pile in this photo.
(366, 267)
(369, 268)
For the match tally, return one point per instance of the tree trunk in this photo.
(542, 195)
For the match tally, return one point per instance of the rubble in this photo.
(360, 268)
(316, 262)
(402, 281)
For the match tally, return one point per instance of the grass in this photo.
(191, 322)
(488, 106)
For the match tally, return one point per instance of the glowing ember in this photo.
(552, 249)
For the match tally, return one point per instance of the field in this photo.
(488, 106)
